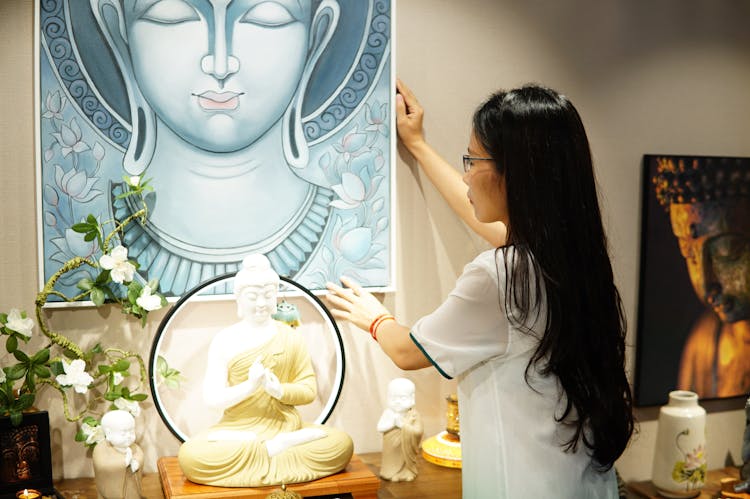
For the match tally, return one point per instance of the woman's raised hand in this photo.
(409, 116)
(354, 304)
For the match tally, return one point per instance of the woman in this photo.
(258, 370)
(534, 329)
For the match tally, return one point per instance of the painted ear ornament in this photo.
(296, 151)
(142, 143)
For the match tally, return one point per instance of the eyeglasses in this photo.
(469, 162)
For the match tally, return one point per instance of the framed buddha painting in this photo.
(263, 126)
(694, 292)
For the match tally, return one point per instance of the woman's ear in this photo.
(323, 25)
(111, 19)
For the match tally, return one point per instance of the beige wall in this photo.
(647, 76)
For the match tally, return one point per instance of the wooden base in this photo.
(356, 479)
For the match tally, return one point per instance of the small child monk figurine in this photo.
(402, 431)
(117, 459)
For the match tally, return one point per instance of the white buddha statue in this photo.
(257, 371)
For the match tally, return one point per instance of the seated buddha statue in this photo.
(257, 371)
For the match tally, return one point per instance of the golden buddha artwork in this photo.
(694, 317)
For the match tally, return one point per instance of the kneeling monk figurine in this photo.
(258, 370)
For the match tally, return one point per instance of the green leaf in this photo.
(139, 397)
(30, 381)
(103, 277)
(16, 372)
(97, 296)
(15, 418)
(154, 285)
(70, 354)
(25, 401)
(121, 365)
(81, 227)
(90, 236)
(134, 291)
(103, 369)
(161, 365)
(11, 344)
(90, 421)
(91, 219)
(20, 356)
(57, 368)
(108, 292)
(111, 396)
(3, 317)
(97, 348)
(41, 371)
(85, 284)
(41, 356)
(80, 436)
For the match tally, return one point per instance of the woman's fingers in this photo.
(411, 104)
(351, 284)
(339, 302)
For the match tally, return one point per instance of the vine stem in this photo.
(47, 290)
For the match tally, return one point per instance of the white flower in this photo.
(128, 405)
(75, 375)
(17, 323)
(94, 434)
(117, 378)
(147, 300)
(121, 270)
(2, 375)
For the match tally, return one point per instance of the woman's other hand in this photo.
(409, 116)
(354, 304)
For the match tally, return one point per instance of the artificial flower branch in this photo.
(75, 367)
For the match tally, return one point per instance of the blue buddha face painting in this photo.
(264, 126)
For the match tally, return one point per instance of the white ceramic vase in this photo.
(680, 458)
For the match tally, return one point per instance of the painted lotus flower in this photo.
(76, 184)
(75, 375)
(54, 104)
(121, 270)
(73, 244)
(351, 144)
(377, 118)
(351, 192)
(70, 138)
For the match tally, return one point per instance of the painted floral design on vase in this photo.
(680, 457)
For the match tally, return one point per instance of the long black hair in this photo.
(539, 144)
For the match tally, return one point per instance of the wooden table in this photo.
(435, 482)
(638, 490)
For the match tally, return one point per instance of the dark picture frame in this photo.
(668, 307)
(25, 455)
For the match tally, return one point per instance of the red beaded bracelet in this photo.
(377, 322)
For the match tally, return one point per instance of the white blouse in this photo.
(510, 440)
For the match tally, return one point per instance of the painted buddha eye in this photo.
(170, 12)
(728, 248)
(269, 15)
